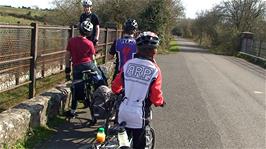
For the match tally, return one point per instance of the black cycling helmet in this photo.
(130, 26)
(147, 40)
(86, 28)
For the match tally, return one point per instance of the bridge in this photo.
(213, 101)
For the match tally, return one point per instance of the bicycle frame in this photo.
(88, 86)
(112, 131)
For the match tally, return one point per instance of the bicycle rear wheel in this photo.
(150, 137)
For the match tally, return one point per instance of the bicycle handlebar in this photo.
(116, 128)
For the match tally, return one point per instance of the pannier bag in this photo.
(101, 98)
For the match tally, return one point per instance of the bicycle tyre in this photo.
(150, 137)
(88, 89)
(69, 100)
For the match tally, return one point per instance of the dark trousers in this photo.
(138, 135)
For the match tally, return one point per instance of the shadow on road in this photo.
(74, 133)
(186, 45)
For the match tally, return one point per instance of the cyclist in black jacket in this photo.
(88, 15)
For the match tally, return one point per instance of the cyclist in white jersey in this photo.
(141, 80)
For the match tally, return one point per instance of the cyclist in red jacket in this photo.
(141, 80)
(81, 51)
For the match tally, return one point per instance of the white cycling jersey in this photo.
(138, 76)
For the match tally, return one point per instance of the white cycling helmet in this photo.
(86, 3)
(148, 40)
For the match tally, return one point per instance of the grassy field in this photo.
(22, 11)
(10, 15)
(14, 20)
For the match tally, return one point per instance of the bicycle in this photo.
(90, 83)
(112, 128)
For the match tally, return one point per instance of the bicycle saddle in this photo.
(90, 72)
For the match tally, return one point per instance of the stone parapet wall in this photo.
(15, 122)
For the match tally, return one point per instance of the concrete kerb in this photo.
(15, 122)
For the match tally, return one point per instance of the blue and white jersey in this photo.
(126, 49)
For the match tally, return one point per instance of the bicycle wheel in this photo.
(88, 99)
(69, 100)
(150, 137)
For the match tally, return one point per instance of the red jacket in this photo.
(81, 50)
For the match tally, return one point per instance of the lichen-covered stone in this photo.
(14, 124)
(108, 68)
(37, 107)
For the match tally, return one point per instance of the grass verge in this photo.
(37, 136)
(173, 47)
(13, 97)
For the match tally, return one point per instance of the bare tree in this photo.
(118, 11)
(67, 12)
(243, 13)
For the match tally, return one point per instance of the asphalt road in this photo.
(213, 102)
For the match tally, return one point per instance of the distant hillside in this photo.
(25, 16)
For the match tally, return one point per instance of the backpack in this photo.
(100, 101)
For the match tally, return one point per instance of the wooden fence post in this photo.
(72, 31)
(63, 43)
(34, 45)
(42, 52)
(19, 63)
(71, 35)
(106, 45)
(117, 34)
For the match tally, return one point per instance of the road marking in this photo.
(258, 92)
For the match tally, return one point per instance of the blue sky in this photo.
(191, 6)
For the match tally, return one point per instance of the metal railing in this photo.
(254, 48)
(31, 52)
